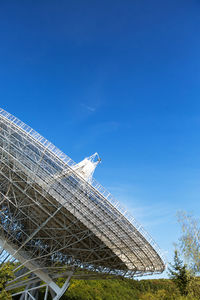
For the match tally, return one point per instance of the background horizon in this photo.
(120, 79)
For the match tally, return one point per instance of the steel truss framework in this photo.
(61, 226)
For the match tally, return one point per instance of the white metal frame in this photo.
(53, 220)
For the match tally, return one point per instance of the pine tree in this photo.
(180, 275)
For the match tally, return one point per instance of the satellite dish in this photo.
(56, 220)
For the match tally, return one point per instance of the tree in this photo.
(6, 274)
(190, 240)
(180, 275)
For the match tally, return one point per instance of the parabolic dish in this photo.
(54, 217)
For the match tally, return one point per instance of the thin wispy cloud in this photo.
(89, 108)
(149, 215)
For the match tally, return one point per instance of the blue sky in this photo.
(120, 78)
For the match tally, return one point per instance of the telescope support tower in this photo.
(31, 289)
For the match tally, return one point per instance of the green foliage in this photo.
(128, 289)
(180, 275)
(114, 289)
(194, 287)
(117, 289)
(159, 295)
(5, 295)
(101, 290)
(190, 240)
(6, 274)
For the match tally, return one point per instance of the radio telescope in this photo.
(56, 220)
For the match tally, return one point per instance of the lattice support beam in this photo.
(43, 276)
